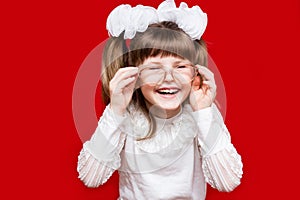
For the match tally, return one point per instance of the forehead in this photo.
(165, 60)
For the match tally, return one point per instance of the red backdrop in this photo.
(43, 43)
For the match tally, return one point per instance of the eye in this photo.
(154, 67)
(181, 66)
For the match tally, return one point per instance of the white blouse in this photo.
(187, 151)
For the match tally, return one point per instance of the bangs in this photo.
(161, 41)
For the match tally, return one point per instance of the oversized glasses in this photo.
(156, 73)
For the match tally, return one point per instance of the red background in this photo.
(43, 43)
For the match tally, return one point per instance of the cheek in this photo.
(186, 89)
(147, 91)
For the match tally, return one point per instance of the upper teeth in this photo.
(168, 90)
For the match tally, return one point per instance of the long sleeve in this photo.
(222, 165)
(100, 156)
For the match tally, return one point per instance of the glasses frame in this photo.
(171, 71)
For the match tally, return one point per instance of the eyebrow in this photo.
(176, 62)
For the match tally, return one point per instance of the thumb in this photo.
(196, 83)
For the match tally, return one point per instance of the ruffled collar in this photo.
(171, 134)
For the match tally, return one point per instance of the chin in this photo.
(169, 104)
(164, 109)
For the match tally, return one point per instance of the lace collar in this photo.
(173, 133)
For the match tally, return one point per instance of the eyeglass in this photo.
(183, 73)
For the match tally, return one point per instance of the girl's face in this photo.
(166, 83)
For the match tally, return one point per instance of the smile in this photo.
(167, 91)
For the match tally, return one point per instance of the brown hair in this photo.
(164, 39)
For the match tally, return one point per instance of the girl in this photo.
(160, 129)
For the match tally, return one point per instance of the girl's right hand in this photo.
(121, 88)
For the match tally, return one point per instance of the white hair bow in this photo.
(193, 20)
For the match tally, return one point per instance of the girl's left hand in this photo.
(202, 96)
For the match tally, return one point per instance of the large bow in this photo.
(137, 19)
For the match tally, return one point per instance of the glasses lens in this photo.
(184, 73)
(152, 74)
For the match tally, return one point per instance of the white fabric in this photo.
(174, 164)
(193, 20)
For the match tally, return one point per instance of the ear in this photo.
(196, 83)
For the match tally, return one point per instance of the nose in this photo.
(169, 75)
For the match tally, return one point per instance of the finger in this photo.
(211, 94)
(210, 84)
(125, 69)
(123, 74)
(196, 83)
(126, 72)
(126, 82)
(122, 84)
(131, 86)
(204, 71)
(205, 88)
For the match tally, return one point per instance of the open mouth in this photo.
(167, 91)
